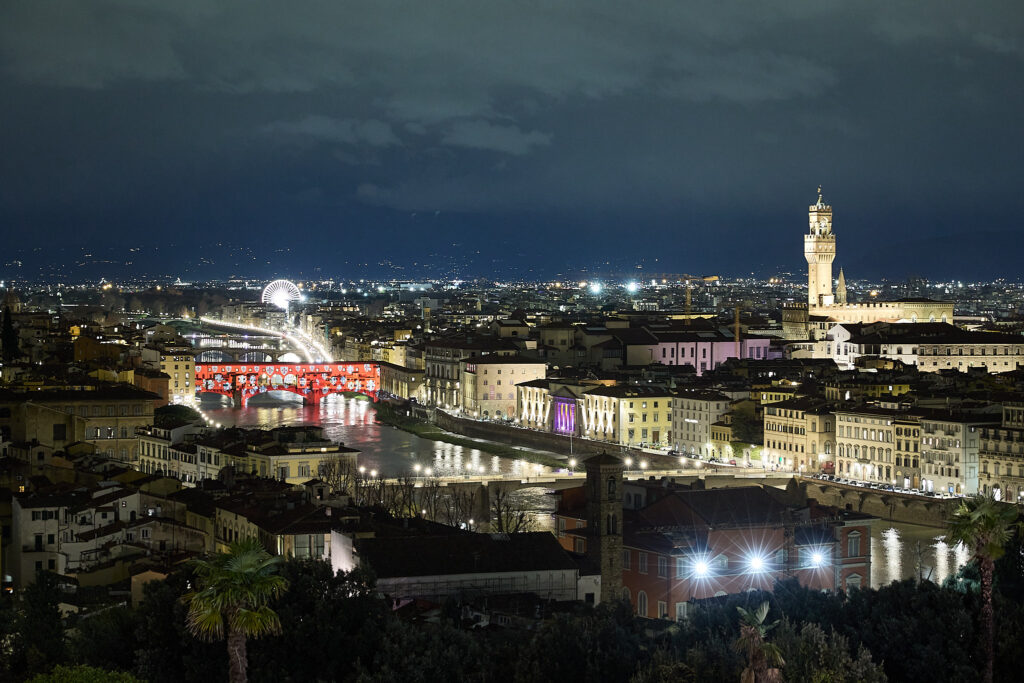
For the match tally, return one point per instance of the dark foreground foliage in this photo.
(335, 628)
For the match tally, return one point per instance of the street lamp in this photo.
(572, 465)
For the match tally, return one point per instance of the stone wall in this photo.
(546, 441)
(895, 507)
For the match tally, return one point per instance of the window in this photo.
(680, 568)
(642, 563)
(853, 544)
(641, 604)
(852, 581)
(60, 432)
(625, 559)
(662, 566)
(682, 608)
(662, 610)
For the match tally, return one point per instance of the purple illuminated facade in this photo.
(564, 410)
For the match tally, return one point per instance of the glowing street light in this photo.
(701, 569)
(629, 462)
(756, 563)
(817, 558)
(595, 287)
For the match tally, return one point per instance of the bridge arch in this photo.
(214, 356)
(257, 357)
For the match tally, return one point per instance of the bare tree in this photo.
(509, 514)
(428, 498)
(457, 508)
(340, 473)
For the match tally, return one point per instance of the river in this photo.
(902, 551)
(389, 451)
(898, 551)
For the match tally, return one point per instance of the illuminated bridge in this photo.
(312, 381)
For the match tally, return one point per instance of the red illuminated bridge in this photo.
(311, 381)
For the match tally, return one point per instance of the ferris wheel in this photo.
(280, 293)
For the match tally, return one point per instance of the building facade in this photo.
(693, 413)
(799, 435)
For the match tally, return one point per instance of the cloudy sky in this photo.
(683, 137)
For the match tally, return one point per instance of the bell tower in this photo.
(604, 521)
(820, 251)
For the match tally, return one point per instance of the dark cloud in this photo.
(690, 122)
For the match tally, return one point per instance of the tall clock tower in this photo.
(820, 251)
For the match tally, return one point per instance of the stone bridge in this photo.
(250, 354)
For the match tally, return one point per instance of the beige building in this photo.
(799, 435)
(1001, 456)
(995, 351)
(865, 444)
(106, 417)
(931, 347)
(488, 384)
(908, 450)
(183, 453)
(289, 454)
(628, 415)
(401, 381)
(179, 367)
(442, 366)
(826, 307)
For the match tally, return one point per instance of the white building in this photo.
(693, 413)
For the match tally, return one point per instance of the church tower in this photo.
(820, 251)
(841, 289)
(604, 521)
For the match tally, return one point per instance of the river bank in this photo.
(387, 414)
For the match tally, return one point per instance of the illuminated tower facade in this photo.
(820, 251)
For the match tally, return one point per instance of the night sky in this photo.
(512, 138)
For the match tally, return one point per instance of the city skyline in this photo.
(497, 137)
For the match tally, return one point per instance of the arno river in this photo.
(898, 551)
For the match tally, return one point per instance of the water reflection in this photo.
(390, 451)
(903, 551)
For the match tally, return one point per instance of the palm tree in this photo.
(764, 659)
(984, 527)
(233, 588)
